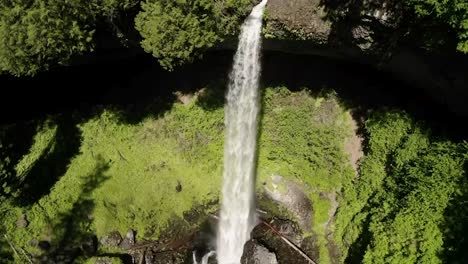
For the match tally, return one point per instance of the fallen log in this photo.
(11, 245)
(285, 239)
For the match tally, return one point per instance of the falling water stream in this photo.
(238, 216)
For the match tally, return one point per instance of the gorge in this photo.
(353, 144)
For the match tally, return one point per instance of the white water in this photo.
(238, 216)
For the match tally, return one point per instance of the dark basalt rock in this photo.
(254, 253)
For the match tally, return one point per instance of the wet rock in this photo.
(292, 196)
(255, 253)
(22, 222)
(89, 245)
(209, 257)
(284, 252)
(291, 231)
(113, 239)
(129, 240)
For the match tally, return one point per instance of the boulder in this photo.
(129, 240)
(22, 222)
(113, 239)
(291, 195)
(254, 253)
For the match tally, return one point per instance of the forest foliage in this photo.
(126, 175)
(177, 31)
(406, 205)
(452, 13)
(36, 35)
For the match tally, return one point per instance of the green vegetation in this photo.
(35, 35)
(453, 13)
(397, 210)
(176, 32)
(302, 139)
(97, 192)
(38, 34)
(125, 176)
(407, 204)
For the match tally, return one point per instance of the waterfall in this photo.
(238, 217)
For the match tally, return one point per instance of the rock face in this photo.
(255, 253)
(371, 32)
(292, 197)
(339, 24)
(298, 19)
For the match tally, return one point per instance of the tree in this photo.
(36, 34)
(453, 13)
(177, 31)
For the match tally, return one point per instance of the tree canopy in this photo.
(177, 31)
(453, 13)
(37, 34)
